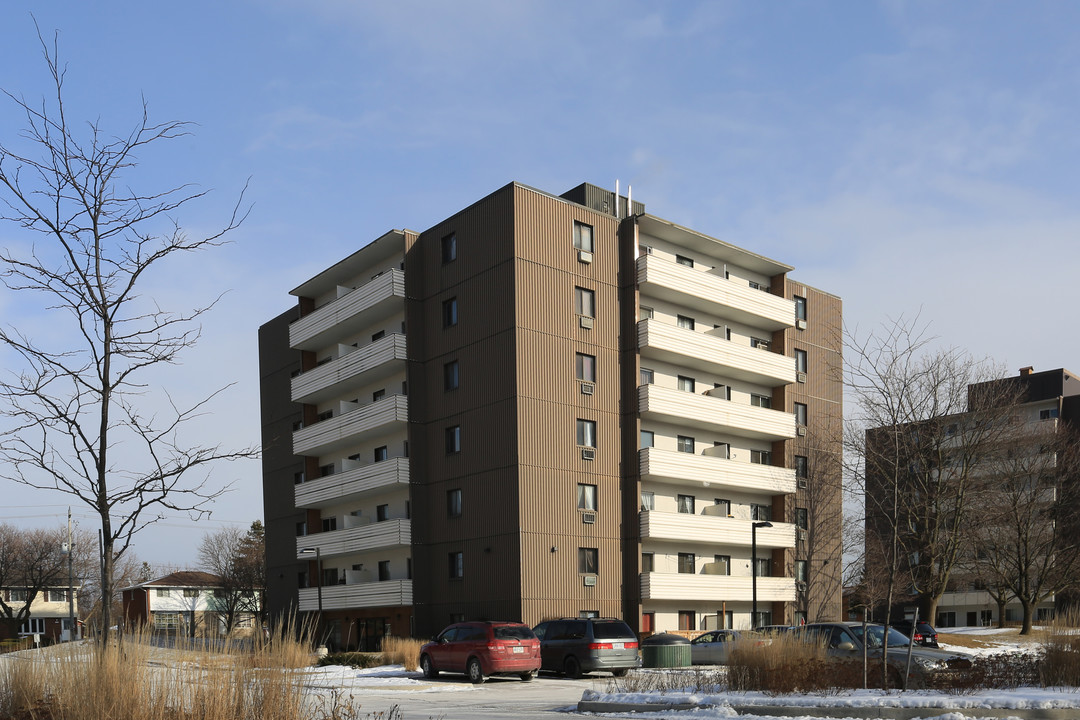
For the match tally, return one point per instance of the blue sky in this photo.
(910, 157)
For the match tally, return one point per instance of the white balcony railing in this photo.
(383, 417)
(354, 484)
(388, 593)
(373, 536)
(352, 367)
(713, 530)
(380, 298)
(714, 414)
(713, 294)
(715, 588)
(681, 468)
(713, 355)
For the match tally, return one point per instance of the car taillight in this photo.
(600, 646)
(918, 637)
(495, 648)
(630, 645)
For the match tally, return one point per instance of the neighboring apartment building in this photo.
(187, 602)
(548, 406)
(1011, 424)
(50, 612)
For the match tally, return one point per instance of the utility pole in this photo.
(71, 582)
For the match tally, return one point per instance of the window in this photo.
(763, 567)
(584, 302)
(456, 562)
(723, 564)
(646, 562)
(800, 361)
(801, 518)
(583, 237)
(384, 570)
(764, 617)
(686, 504)
(378, 395)
(686, 563)
(587, 559)
(686, 384)
(449, 248)
(645, 313)
(326, 470)
(378, 336)
(646, 376)
(298, 478)
(725, 505)
(191, 593)
(685, 444)
(329, 524)
(648, 622)
(800, 414)
(686, 323)
(380, 453)
(761, 513)
(382, 513)
(166, 620)
(687, 620)
(159, 592)
(802, 466)
(683, 260)
(759, 343)
(1048, 414)
(800, 571)
(301, 529)
(453, 503)
(800, 307)
(449, 312)
(586, 497)
(586, 433)
(648, 500)
(761, 401)
(585, 367)
(450, 375)
(325, 415)
(647, 439)
(453, 439)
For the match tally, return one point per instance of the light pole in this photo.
(753, 568)
(318, 585)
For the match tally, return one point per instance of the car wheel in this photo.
(475, 671)
(528, 676)
(427, 668)
(621, 672)
(571, 667)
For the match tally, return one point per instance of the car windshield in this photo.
(874, 634)
(513, 632)
(613, 630)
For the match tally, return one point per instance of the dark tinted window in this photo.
(541, 629)
(556, 631)
(448, 634)
(612, 630)
(575, 629)
(513, 632)
(474, 634)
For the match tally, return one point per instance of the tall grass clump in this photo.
(402, 651)
(1061, 660)
(785, 665)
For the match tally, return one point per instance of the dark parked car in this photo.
(580, 645)
(715, 646)
(924, 635)
(483, 648)
(845, 641)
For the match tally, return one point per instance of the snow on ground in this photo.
(386, 677)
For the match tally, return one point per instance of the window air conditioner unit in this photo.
(800, 324)
(800, 377)
(802, 535)
(803, 484)
(587, 388)
(588, 454)
(586, 322)
(801, 431)
(584, 256)
(590, 581)
(588, 518)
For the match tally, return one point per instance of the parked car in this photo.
(774, 629)
(845, 641)
(483, 648)
(924, 634)
(715, 646)
(574, 646)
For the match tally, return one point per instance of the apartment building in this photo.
(552, 405)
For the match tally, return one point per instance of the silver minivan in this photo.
(574, 646)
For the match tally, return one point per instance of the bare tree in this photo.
(31, 562)
(237, 559)
(78, 404)
(819, 507)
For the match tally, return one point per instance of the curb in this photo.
(871, 712)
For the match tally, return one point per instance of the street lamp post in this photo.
(318, 586)
(753, 568)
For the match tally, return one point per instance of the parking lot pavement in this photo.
(452, 697)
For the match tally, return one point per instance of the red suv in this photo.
(483, 648)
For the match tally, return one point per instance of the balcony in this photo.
(351, 485)
(681, 468)
(713, 294)
(363, 538)
(711, 414)
(353, 367)
(715, 588)
(713, 355)
(388, 593)
(713, 530)
(350, 312)
(383, 417)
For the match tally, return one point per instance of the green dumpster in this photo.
(665, 651)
